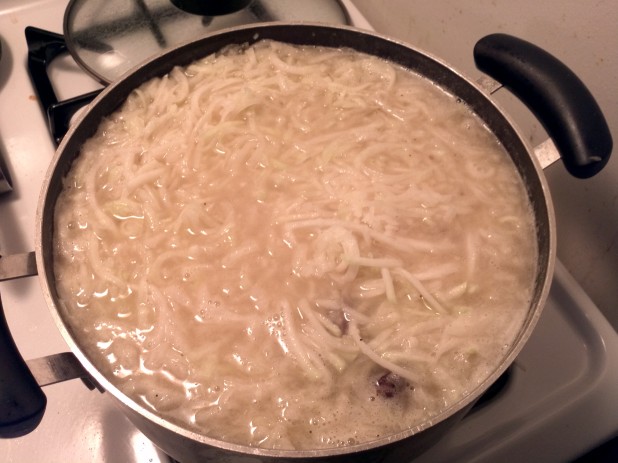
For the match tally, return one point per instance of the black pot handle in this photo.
(22, 401)
(558, 98)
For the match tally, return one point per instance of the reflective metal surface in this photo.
(17, 266)
(57, 368)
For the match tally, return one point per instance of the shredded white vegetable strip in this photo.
(400, 244)
(295, 345)
(380, 360)
(431, 301)
(389, 286)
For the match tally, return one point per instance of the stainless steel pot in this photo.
(561, 102)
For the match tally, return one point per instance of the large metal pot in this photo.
(558, 98)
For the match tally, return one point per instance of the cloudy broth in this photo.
(294, 247)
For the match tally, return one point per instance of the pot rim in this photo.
(116, 92)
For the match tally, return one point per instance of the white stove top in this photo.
(560, 401)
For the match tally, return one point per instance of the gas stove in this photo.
(557, 401)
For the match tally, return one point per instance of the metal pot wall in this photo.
(564, 106)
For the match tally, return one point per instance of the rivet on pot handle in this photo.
(558, 98)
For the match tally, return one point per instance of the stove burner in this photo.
(43, 48)
(97, 45)
(107, 38)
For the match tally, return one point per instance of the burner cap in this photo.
(109, 37)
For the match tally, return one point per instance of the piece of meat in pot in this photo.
(390, 385)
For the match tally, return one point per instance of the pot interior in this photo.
(329, 36)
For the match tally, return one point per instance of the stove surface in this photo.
(560, 399)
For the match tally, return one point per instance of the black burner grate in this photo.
(43, 47)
